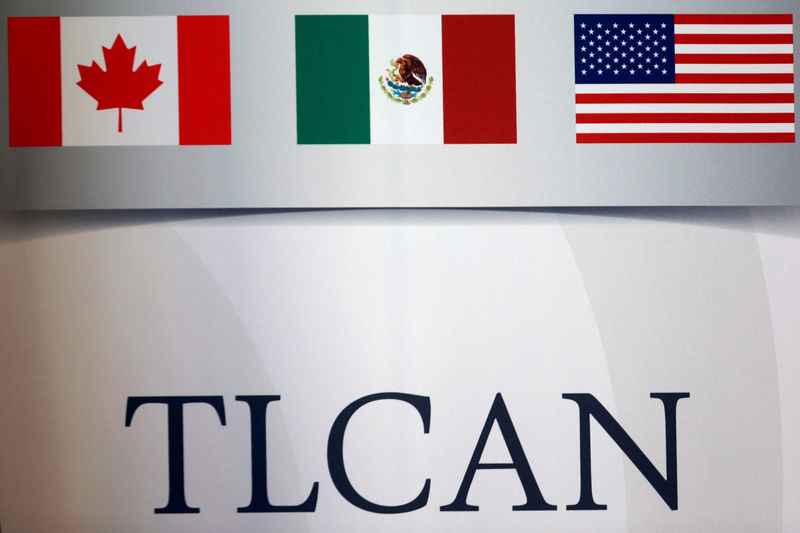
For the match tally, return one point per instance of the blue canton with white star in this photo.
(624, 49)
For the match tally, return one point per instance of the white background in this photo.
(325, 307)
(391, 38)
(156, 41)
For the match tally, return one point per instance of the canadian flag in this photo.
(95, 81)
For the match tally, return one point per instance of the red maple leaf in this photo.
(119, 85)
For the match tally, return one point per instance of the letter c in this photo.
(336, 453)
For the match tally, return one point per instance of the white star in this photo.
(583, 60)
(664, 71)
(583, 24)
(663, 25)
(591, 54)
(624, 31)
(624, 54)
(647, 25)
(616, 72)
(639, 66)
(616, 48)
(583, 48)
(599, 72)
(639, 54)
(616, 60)
(647, 72)
(615, 25)
(616, 37)
(599, 25)
(583, 72)
(591, 67)
(630, 25)
(664, 60)
(608, 31)
(638, 32)
(591, 32)
(647, 60)
(647, 49)
(608, 54)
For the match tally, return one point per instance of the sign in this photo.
(424, 104)
(400, 370)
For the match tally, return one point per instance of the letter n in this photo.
(666, 487)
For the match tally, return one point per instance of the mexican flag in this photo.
(93, 81)
(399, 79)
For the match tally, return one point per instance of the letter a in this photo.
(534, 499)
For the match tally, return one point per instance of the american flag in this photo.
(684, 78)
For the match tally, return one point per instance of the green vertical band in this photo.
(332, 79)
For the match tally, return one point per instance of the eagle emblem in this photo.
(407, 82)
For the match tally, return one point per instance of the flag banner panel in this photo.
(425, 93)
(442, 103)
(98, 75)
(614, 52)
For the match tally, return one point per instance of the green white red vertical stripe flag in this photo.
(355, 83)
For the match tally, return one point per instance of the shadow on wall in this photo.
(16, 226)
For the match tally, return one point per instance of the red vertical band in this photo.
(34, 81)
(479, 79)
(204, 80)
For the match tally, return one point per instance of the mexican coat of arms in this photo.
(407, 82)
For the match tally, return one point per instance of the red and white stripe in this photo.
(48, 108)
(734, 82)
